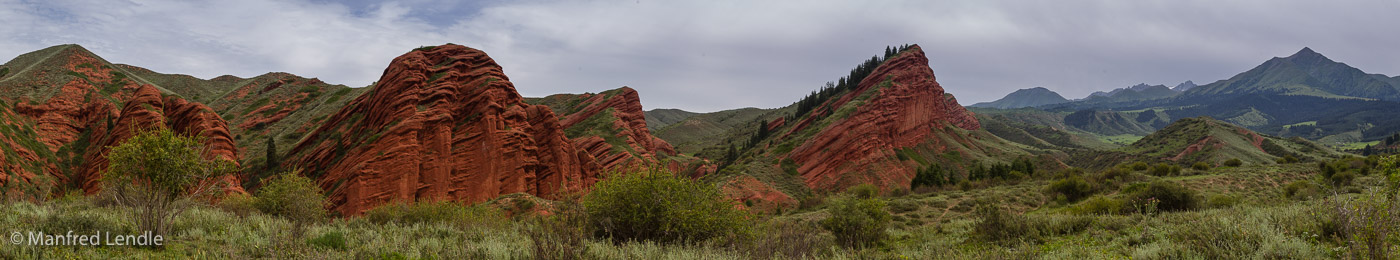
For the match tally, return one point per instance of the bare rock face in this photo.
(907, 107)
(443, 123)
(100, 107)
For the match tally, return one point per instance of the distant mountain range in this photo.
(1031, 97)
(1305, 95)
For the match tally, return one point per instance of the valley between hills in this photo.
(443, 158)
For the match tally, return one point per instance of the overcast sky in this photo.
(715, 55)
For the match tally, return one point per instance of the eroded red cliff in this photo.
(624, 122)
(908, 107)
(443, 123)
(100, 107)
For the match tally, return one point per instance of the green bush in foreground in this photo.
(1233, 162)
(292, 196)
(656, 205)
(857, 221)
(159, 174)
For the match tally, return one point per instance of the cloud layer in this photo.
(714, 55)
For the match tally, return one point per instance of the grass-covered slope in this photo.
(695, 133)
(662, 117)
(1203, 139)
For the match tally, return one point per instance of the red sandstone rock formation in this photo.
(82, 117)
(444, 123)
(861, 148)
(630, 123)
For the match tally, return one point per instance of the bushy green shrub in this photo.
(156, 171)
(864, 191)
(292, 196)
(656, 205)
(1168, 195)
(1342, 178)
(1073, 188)
(997, 225)
(1200, 166)
(1139, 166)
(1100, 205)
(1302, 190)
(1236, 162)
(857, 221)
(1163, 169)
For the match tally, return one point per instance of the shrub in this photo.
(997, 225)
(656, 205)
(1233, 162)
(1139, 166)
(241, 205)
(292, 196)
(1164, 169)
(1100, 205)
(1200, 166)
(1342, 178)
(1073, 188)
(789, 240)
(864, 191)
(857, 221)
(1168, 195)
(1302, 190)
(158, 173)
(331, 240)
(559, 236)
(1368, 223)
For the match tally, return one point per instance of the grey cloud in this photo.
(714, 55)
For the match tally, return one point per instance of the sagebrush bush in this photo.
(1101, 205)
(996, 225)
(656, 205)
(1200, 166)
(292, 196)
(1236, 162)
(788, 240)
(1368, 223)
(1170, 196)
(857, 221)
(1073, 188)
(1302, 190)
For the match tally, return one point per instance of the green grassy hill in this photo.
(662, 117)
(695, 133)
(1203, 139)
